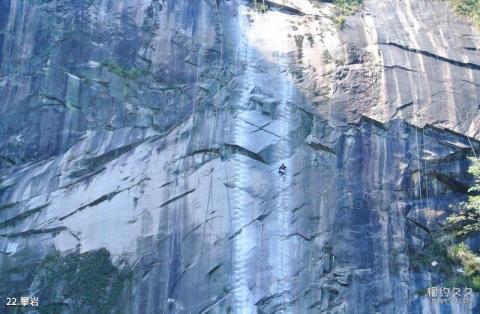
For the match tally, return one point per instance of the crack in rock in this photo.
(467, 65)
(401, 107)
(178, 197)
(33, 231)
(393, 67)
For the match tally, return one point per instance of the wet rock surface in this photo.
(154, 130)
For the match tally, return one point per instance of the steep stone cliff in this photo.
(142, 138)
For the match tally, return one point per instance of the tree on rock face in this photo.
(467, 221)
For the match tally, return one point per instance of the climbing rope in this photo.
(415, 104)
(211, 150)
(183, 164)
(462, 121)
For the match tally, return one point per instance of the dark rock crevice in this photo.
(31, 232)
(467, 65)
(175, 198)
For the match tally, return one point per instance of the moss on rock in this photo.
(121, 71)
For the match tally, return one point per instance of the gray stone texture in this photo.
(155, 128)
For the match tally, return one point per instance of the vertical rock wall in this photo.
(155, 129)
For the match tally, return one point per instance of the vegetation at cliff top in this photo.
(469, 9)
(347, 7)
(344, 8)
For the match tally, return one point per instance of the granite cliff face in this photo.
(142, 138)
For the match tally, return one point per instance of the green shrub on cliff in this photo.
(456, 263)
(470, 263)
(461, 253)
(467, 221)
(468, 8)
(347, 7)
(121, 71)
(342, 9)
